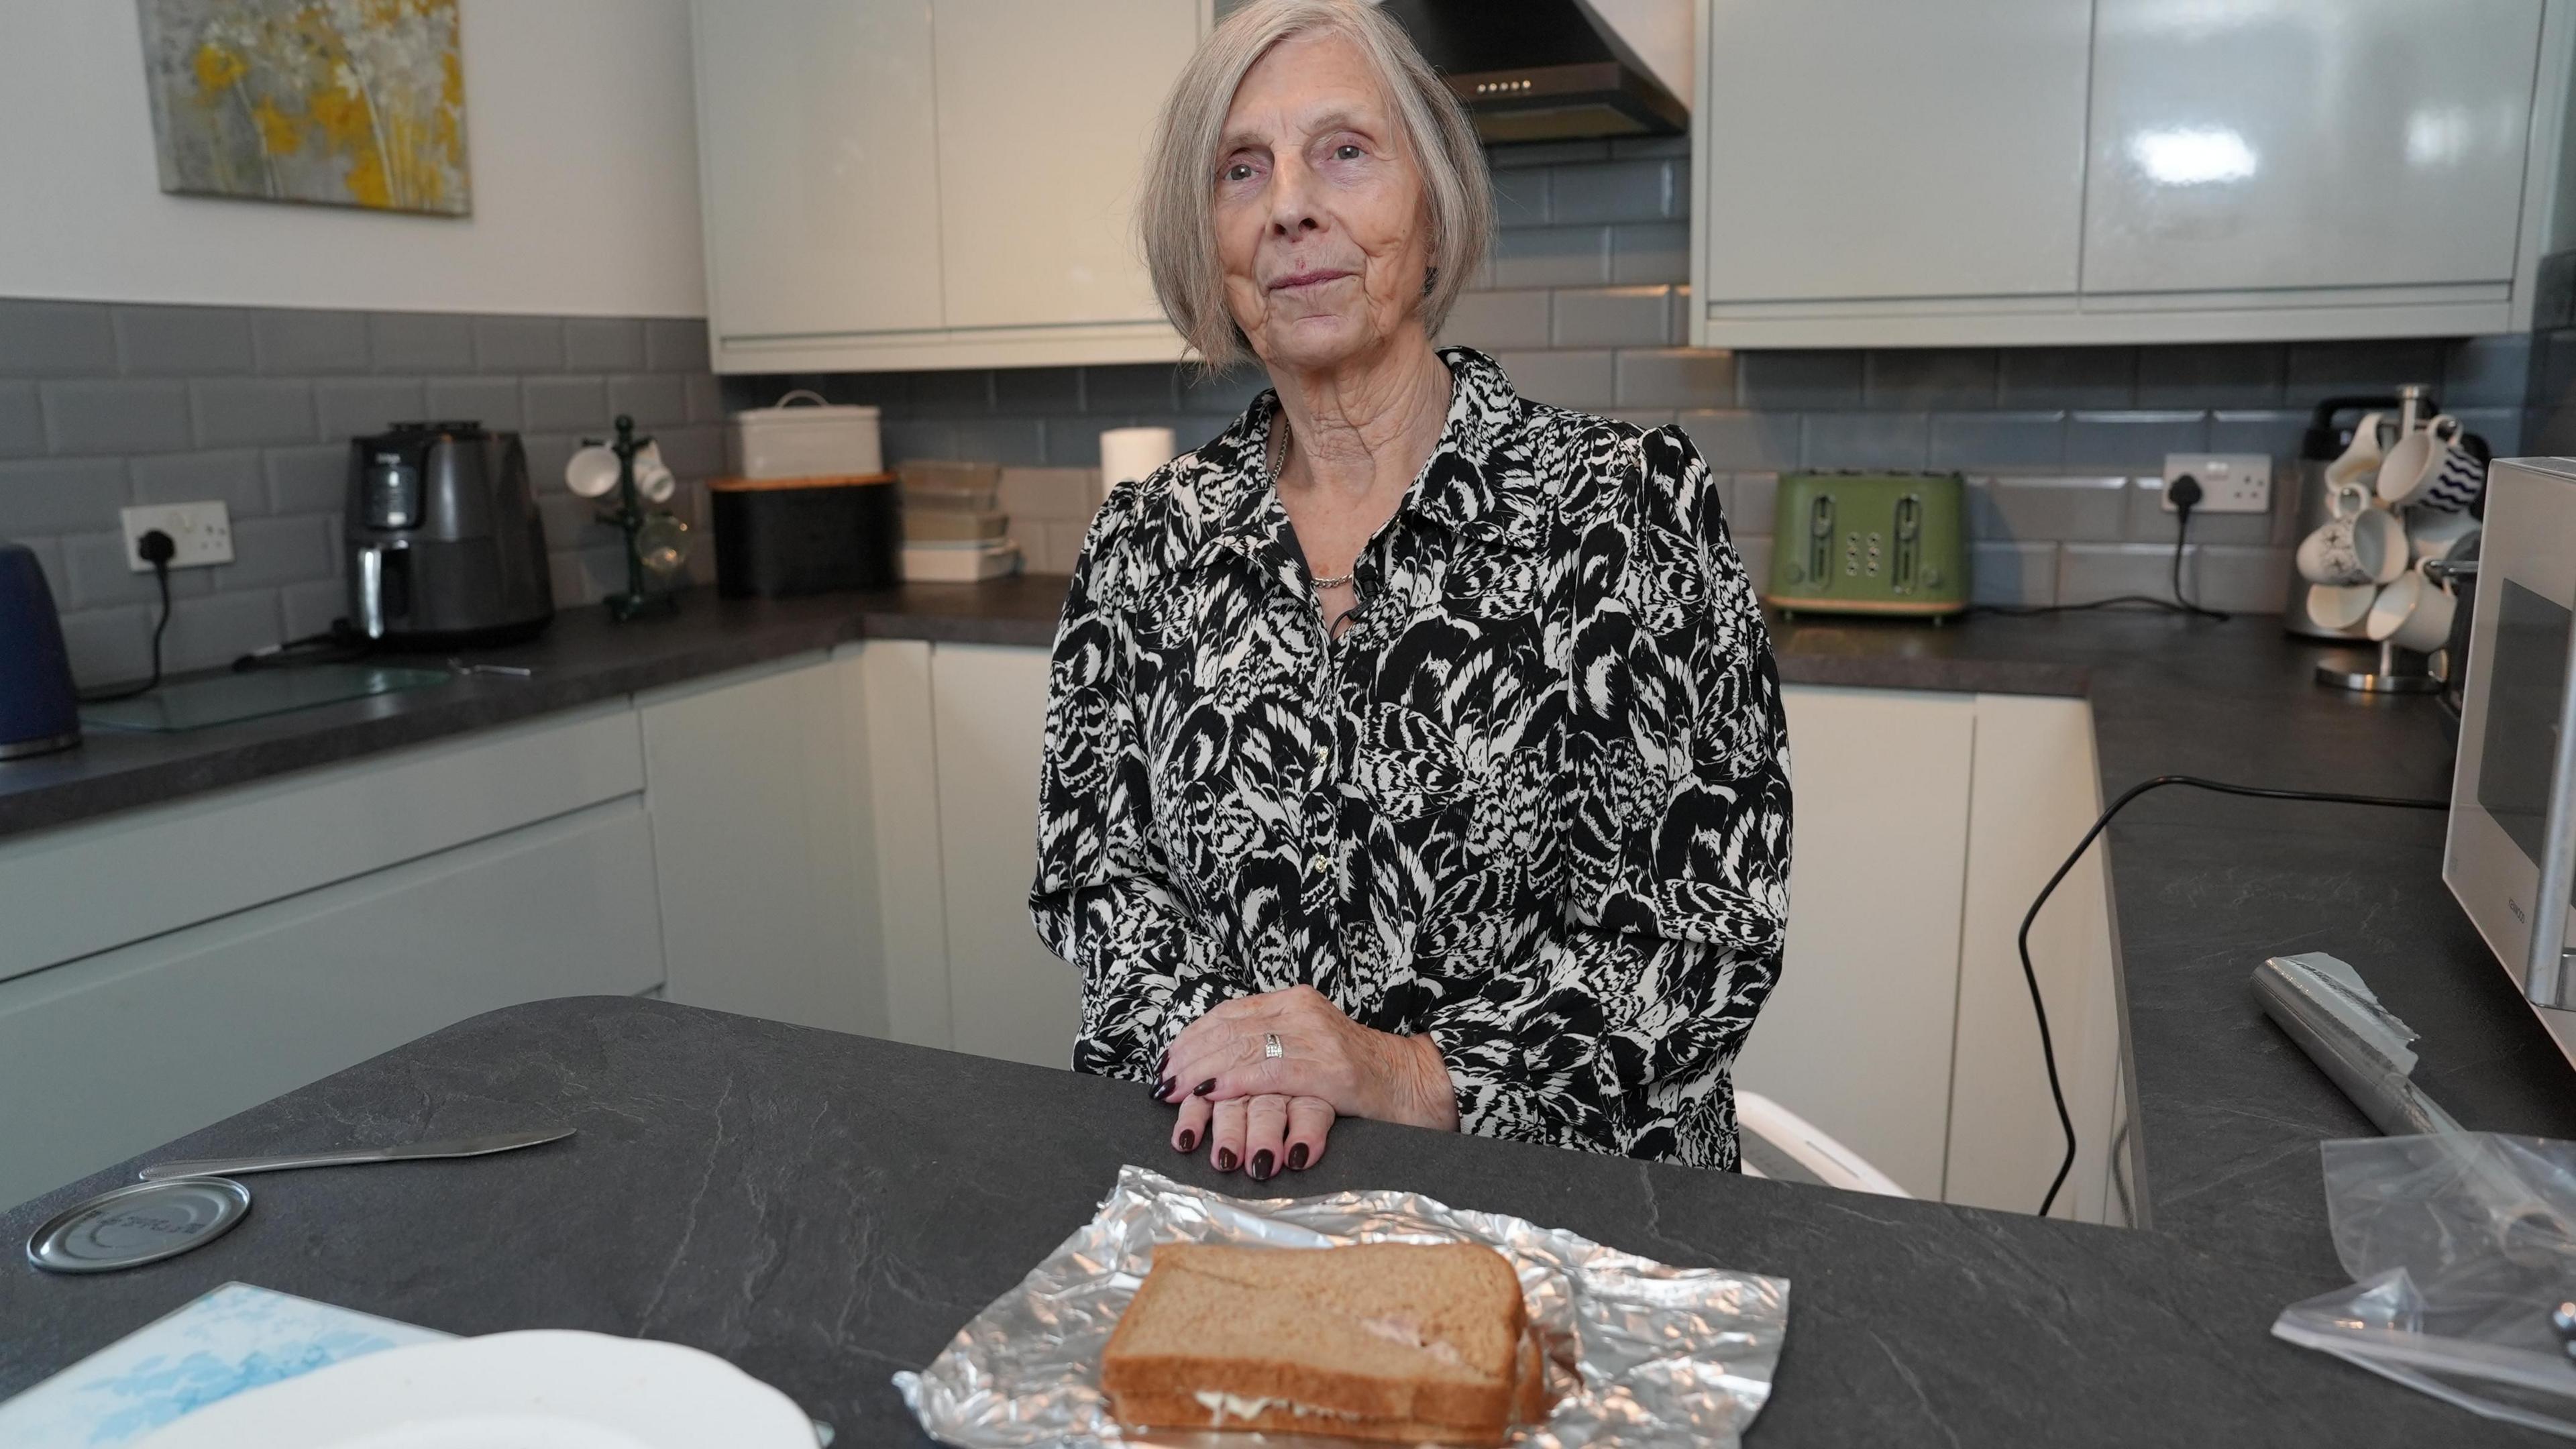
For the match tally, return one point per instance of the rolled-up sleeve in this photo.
(1622, 1034)
(1104, 898)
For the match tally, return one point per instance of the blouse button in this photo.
(1320, 864)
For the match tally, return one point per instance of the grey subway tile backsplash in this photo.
(1930, 377)
(1568, 379)
(519, 344)
(232, 476)
(233, 411)
(1553, 256)
(2067, 377)
(675, 344)
(491, 401)
(603, 344)
(22, 421)
(421, 342)
(42, 497)
(1740, 441)
(310, 479)
(564, 404)
(298, 343)
(1968, 442)
(1876, 441)
(1023, 390)
(2328, 369)
(1673, 378)
(1520, 196)
(2136, 441)
(2020, 575)
(1608, 317)
(1648, 252)
(1789, 380)
(56, 339)
(1495, 321)
(652, 399)
(2211, 375)
(347, 407)
(2008, 509)
(182, 341)
(1612, 192)
(116, 417)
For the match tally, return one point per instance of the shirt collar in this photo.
(1479, 482)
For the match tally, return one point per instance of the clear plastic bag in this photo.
(2460, 1246)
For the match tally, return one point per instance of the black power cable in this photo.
(157, 549)
(2030, 974)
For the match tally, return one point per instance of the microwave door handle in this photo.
(371, 591)
(2545, 977)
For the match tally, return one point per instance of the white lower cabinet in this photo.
(103, 1057)
(1008, 995)
(757, 801)
(1856, 1038)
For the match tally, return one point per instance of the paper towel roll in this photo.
(1127, 454)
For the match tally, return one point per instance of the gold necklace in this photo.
(1276, 467)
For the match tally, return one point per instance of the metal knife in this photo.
(452, 1147)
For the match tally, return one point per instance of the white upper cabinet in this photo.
(2318, 143)
(820, 166)
(1854, 148)
(931, 183)
(1999, 172)
(1045, 112)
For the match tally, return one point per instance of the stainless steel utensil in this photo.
(452, 1147)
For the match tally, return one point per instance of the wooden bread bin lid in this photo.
(828, 480)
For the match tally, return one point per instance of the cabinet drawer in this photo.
(88, 888)
(107, 1057)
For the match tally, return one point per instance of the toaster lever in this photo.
(1909, 542)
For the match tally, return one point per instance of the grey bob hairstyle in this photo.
(1180, 178)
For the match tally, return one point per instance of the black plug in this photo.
(156, 548)
(2185, 493)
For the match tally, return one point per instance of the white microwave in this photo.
(2511, 854)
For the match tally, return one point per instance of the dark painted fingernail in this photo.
(1296, 1157)
(1188, 1141)
(1203, 1088)
(1225, 1159)
(1262, 1164)
(1162, 1089)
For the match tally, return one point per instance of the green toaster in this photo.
(1870, 543)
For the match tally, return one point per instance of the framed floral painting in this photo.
(336, 102)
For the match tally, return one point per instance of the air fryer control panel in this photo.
(390, 490)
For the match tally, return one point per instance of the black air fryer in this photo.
(445, 547)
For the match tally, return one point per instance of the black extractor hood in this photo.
(1540, 70)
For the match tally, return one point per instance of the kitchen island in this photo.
(824, 1209)
(2228, 1111)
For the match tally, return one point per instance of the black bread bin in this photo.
(779, 537)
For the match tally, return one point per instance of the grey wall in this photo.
(1585, 306)
(102, 406)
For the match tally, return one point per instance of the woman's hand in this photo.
(1261, 1134)
(1323, 1054)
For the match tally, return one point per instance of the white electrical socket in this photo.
(203, 533)
(2229, 482)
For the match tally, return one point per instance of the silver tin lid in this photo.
(141, 1224)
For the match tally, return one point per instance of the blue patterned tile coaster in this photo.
(237, 1337)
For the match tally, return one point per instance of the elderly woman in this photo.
(1414, 750)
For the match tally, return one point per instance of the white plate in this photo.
(543, 1389)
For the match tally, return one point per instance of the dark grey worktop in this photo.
(823, 1210)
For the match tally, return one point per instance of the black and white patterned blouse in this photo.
(1534, 801)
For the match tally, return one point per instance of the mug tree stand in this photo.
(2386, 678)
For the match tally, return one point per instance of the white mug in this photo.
(653, 477)
(2339, 607)
(2417, 460)
(2413, 613)
(2438, 535)
(592, 472)
(2359, 545)
(2360, 457)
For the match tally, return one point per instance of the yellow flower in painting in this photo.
(218, 68)
(278, 135)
